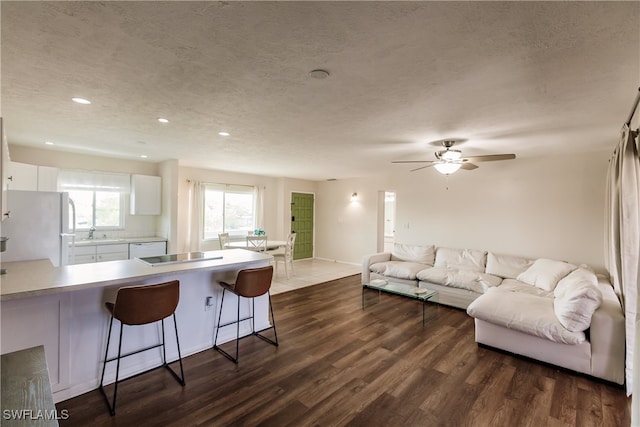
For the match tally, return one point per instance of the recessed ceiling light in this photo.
(81, 101)
(223, 133)
(163, 120)
(319, 74)
(144, 156)
(48, 143)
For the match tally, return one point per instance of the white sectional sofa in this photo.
(545, 309)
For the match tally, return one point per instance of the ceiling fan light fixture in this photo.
(451, 155)
(447, 168)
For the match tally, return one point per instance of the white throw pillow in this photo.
(545, 273)
(506, 266)
(413, 253)
(575, 279)
(575, 308)
(461, 259)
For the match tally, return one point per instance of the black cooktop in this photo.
(178, 258)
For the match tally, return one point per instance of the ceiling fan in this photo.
(450, 160)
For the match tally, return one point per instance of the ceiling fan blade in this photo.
(421, 167)
(413, 161)
(468, 166)
(490, 157)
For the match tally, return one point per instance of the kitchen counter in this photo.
(115, 241)
(34, 278)
(63, 309)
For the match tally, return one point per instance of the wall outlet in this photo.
(208, 303)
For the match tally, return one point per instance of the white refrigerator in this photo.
(40, 225)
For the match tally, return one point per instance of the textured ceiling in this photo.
(532, 78)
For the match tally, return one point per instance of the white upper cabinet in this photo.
(146, 195)
(26, 177)
(23, 176)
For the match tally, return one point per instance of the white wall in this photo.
(542, 207)
(276, 207)
(168, 221)
(173, 222)
(135, 225)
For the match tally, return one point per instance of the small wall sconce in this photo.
(354, 197)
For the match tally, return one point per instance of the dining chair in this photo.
(250, 283)
(285, 255)
(224, 240)
(141, 305)
(257, 243)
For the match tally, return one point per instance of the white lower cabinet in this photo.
(112, 252)
(83, 255)
(99, 253)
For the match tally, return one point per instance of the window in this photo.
(98, 198)
(228, 209)
(99, 209)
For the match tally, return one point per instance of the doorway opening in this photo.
(386, 220)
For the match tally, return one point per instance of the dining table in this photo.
(271, 245)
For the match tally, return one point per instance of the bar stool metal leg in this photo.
(273, 325)
(135, 299)
(111, 406)
(180, 380)
(250, 283)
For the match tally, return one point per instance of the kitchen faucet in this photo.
(91, 230)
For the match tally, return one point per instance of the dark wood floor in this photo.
(338, 364)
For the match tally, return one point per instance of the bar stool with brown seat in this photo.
(141, 305)
(250, 283)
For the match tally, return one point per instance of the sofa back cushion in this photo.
(506, 266)
(577, 297)
(576, 306)
(579, 276)
(461, 259)
(413, 253)
(457, 278)
(397, 269)
(545, 273)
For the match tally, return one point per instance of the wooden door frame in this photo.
(313, 243)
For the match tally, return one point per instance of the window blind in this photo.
(93, 181)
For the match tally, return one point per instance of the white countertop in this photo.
(115, 241)
(40, 277)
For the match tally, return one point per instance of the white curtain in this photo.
(623, 235)
(259, 196)
(193, 242)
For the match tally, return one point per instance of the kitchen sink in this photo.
(99, 240)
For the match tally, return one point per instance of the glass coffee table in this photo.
(396, 288)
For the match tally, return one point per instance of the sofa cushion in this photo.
(577, 298)
(461, 259)
(506, 309)
(398, 269)
(545, 273)
(513, 285)
(464, 279)
(579, 276)
(413, 253)
(506, 266)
